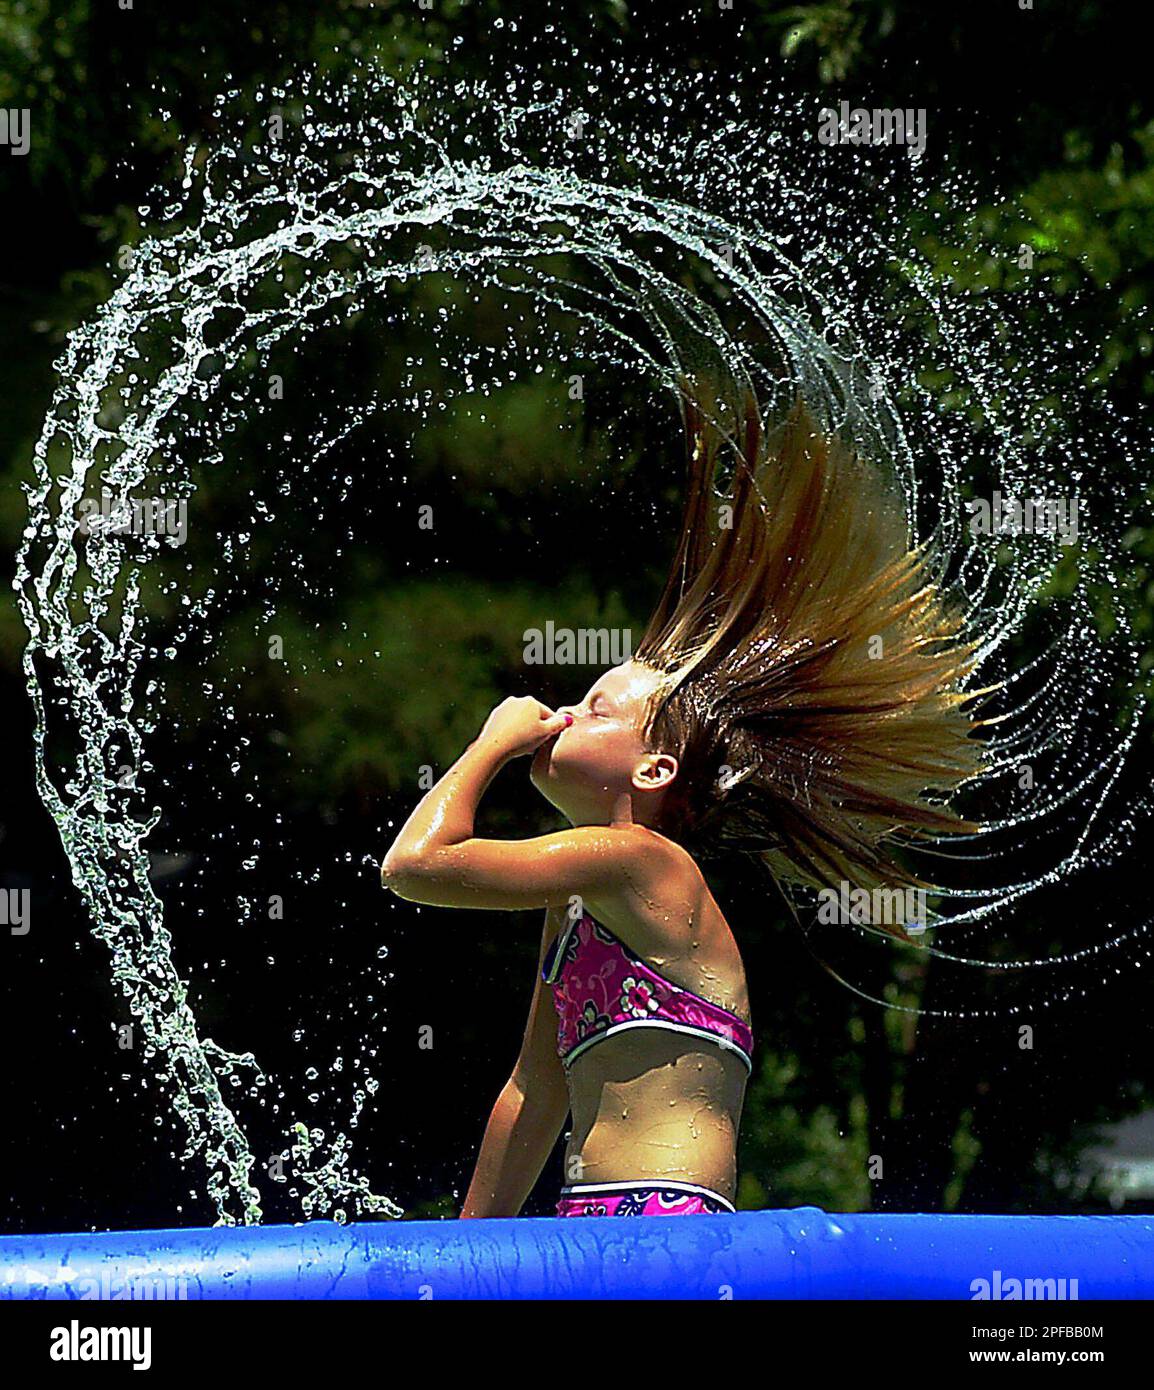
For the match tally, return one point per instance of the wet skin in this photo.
(654, 1104)
(646, 1104)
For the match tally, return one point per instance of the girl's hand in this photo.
(520, 725)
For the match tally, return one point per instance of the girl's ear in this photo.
(656, 770)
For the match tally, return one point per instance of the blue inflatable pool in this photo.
(803, 1253)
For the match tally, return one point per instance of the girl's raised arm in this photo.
(592, 862)
(437, 860)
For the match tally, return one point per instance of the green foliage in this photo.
(394, 672)
(835, 31)
(797, 1151)
(402, 679)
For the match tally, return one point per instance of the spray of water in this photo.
(717, 240)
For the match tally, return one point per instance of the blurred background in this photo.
(408, 644)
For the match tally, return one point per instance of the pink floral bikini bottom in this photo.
(641, 1199)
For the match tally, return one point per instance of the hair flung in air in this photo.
(814, 675)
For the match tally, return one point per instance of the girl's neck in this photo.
(622, 814)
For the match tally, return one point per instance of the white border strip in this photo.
(716, 1038)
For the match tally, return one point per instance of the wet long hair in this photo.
(813, 684)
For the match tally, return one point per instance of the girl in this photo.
(795, 694)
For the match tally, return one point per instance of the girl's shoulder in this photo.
(651, 862)
(662, 898)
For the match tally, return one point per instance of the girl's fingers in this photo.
(554, 724)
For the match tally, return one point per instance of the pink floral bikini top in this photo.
(601, 988)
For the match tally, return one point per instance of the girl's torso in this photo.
(655, 1040)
